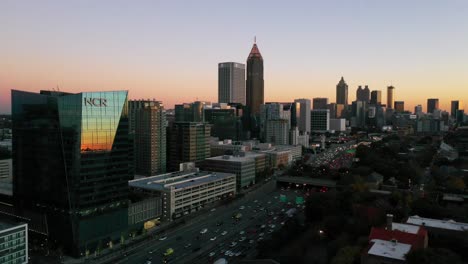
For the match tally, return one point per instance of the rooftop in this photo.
(437, 223)
(238, 158)
(412, 229)
(389, 249)
(177, 180)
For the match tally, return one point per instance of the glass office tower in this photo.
(71, 166)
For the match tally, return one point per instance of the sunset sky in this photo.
(169, 50)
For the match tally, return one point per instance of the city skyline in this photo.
(117, 47)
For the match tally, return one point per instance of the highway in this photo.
(190, 246)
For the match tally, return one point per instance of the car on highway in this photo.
(233, 244)
(251, 241)
(213, 238)
(187, 245)
(242, 239)
(242, 207)
(168, 252)
(261, 234)
(224, 233)
(238, 254)
(163, 238)
(219, 223)
(212, 254)
(204, 230)
(242, 232)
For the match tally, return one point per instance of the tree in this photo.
(346, 255)
(456, 183)
(433, 256)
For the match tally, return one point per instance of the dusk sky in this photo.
(169, 50)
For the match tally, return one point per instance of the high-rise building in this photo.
(376, 97)
(320, 103)
(275, 123)
(390, 94)
(454, 107)
(226, 122)
(190, 112)
(363, 94)
(231, 82)
(71, 177)
(399, 106)
(254, 82)
(189, 142)
(418, 110)
(342, 93)
(432, 104)
(320, 120)
(150, 136)
(303, 122)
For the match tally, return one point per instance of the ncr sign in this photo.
(97, 102)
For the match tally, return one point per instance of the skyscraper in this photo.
(189, 142)
(320, 103)
(71, 177)
(150, 137)
(363, 94)
(432, 104)
(231, 82)
(399, 106)
(303, 122)
(454, 107)
(254, 82)
(376, 97)
(342, 93)
(390, 94)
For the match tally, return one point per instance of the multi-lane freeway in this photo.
(217, 234)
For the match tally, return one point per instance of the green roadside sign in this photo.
(283, 198)
(299, 200)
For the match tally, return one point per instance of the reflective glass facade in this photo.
(72, 165)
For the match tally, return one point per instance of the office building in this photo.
(454, 107)
(320, 103)
(277, 131)
(254, 82)
(399, 106)
(243, 165)
(342, 93)
(13, 243)
(432, 105)
(190, 112)
(359, 110)
(363, 94)
(303, 115)
(390, 96)
(418, 110)
(460, 116)
(226, 147)
(338, 124)
(231, 82)
(150, 136)
(186, 191)
(188, 142)
(226, 122)
(71, 177)
(320, 120)
(376, 97)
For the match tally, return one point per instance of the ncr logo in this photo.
(98, 102)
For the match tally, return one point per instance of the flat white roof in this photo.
(413, 229)
(437, 223)
(389, 249)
